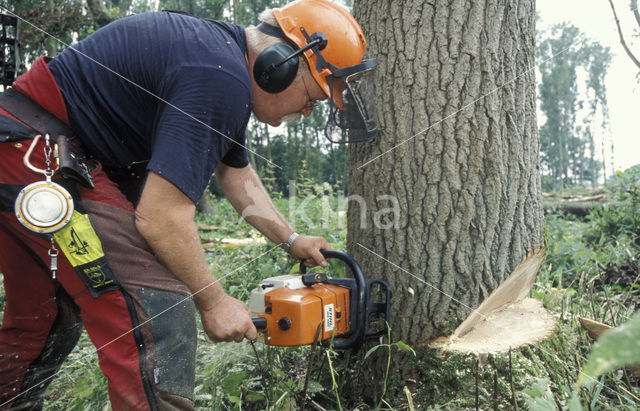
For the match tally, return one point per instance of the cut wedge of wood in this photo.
(505, 319)
(521, 323)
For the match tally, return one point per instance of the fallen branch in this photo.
(576, 209)
(232, 242)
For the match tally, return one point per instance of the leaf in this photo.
(372, 350)
(616, 348)
(234, 399)
(313, 387)
(402, 346)
(540, 404)
(538, 390)
(231, 383)
(596, 395)
(574, 403)
(295, 269)
(255, 396)
(539, 397)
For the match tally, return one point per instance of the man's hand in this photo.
(228, 320)
(308, 248)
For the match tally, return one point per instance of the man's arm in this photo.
(245, 192)
(164, 217)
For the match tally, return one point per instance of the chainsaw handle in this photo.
(260, 323)
(357, 335)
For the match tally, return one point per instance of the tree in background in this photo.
(570, 154)
(48, 27)
(596, 120)
(633, 6)
(281, 152)
(47, 21)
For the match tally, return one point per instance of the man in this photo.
(158, 102)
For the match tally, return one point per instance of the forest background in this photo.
(577, 145)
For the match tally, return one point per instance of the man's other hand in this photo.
(308, 248)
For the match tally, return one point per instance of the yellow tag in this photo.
(78, 241)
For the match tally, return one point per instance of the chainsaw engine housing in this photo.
(298, 309)
(294, 311)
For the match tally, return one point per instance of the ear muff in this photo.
(275, 68)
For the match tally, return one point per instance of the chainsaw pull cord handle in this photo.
(260, 323)
(356, 337)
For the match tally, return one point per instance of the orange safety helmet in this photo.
(345, 41)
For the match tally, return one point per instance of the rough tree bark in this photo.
(458, 149)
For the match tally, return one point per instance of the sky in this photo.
(595, 19)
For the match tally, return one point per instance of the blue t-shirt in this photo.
(164, 87)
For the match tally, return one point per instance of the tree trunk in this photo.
(451, 187)
(50, 42)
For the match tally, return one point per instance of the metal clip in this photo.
(53, 253)
(48, 172)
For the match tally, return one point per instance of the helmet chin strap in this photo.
(272, 31)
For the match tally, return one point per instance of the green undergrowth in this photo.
(591, 271)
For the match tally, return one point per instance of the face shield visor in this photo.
(356, 122)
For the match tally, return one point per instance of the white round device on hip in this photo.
(43, 206)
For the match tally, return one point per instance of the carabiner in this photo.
(46, 172)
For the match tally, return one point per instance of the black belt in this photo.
(72, 159)
(9, 193)
(33, 114)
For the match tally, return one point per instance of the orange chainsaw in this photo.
(299, 309)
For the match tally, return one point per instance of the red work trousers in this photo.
(144, 332)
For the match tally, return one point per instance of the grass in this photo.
(584, 275)
(585, 278)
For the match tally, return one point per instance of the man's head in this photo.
(279, 103)
(313, 47)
